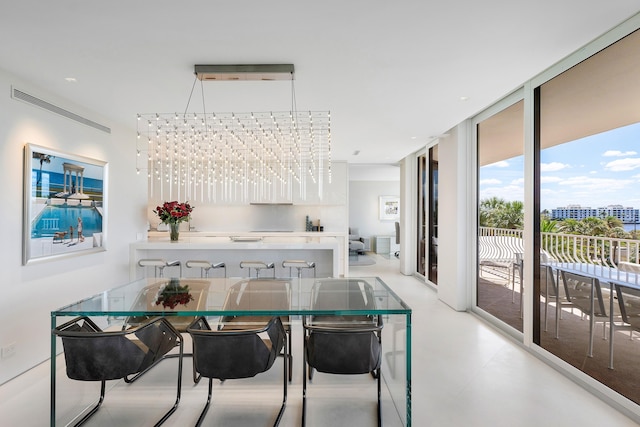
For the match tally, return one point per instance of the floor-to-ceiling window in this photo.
(421, 213)
(427, 214)
(588, 137)
(432, 209)
(500, 147)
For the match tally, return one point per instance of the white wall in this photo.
(30, 293)
(366, 184)
(453, 238)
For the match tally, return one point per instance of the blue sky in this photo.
(599, 170)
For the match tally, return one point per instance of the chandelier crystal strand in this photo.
(235, 157)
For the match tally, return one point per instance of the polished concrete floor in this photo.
(464, 373)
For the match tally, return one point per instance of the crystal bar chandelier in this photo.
(255, 157)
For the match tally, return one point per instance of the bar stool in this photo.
(159, 265)
(299, 264)
(205, 266)
(258, 265)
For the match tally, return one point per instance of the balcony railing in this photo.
(498, 247)
(604, 251)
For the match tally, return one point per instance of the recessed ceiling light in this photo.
(355, 153)
(70, 79)
(414, 137)
(464, 98)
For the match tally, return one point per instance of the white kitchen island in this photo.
(327, 249)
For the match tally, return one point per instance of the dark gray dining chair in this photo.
(237, 353)
(94, 355)
(342, 344)
(259, 295)
(149, 299)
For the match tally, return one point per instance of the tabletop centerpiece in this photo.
(173, 213)
(173, 294)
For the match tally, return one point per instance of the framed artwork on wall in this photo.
(64, 211)
(389, 208)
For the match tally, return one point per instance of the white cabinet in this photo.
(367, 243)
(383, 244)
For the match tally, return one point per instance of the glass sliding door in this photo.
(588, 137)
(500, 143)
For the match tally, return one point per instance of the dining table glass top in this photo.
(211, 296)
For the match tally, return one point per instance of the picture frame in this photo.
(65, 209)
(389, 208)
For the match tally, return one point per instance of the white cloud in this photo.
(617, 153)
(593, 184)
(519, 181)
(552, 167)
(500, 164)
(549, 179)
(621, 165)
(509, 192)
(490, 181)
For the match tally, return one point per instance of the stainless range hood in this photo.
(271, 204)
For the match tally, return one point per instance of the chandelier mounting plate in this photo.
(232, 72)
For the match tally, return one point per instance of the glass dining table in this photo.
(181, 300)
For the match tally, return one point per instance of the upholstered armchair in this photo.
(356, 243)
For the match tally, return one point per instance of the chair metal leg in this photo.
(95, 408)
(206, 406)
(304, 381)
(180, 356)
(178, 393)
(379, 374)
(285, 379)
(289, 355)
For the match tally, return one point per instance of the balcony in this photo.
(564, 327)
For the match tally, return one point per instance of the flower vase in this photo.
(174, 231)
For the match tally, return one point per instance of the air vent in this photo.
(30, 99)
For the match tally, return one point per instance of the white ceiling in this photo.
(391, 73)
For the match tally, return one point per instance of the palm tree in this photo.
(510, 215)
(486, 210)
(548, 226)
(569, 226)
(44, 158)
(613, 222)
(593, 226)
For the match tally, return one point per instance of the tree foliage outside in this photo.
(498, 213)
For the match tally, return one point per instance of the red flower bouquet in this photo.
(174, 212)
(174, 294)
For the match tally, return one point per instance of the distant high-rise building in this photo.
(627, 215)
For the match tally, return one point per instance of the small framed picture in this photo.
(64, 204)
(389, 208)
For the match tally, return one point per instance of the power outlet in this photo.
(8, 350)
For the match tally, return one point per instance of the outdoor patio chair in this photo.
(585, 294)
